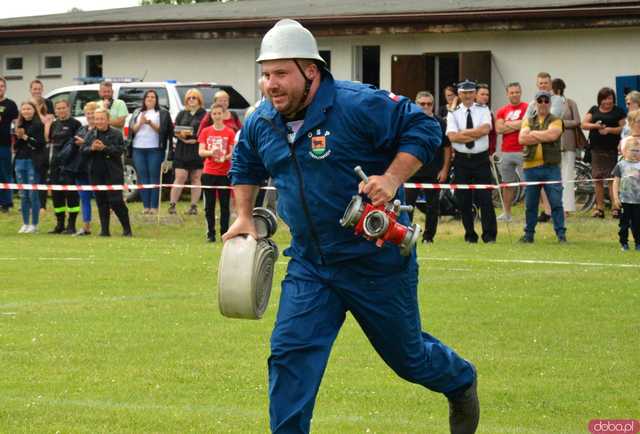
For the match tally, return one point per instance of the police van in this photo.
(170, 95)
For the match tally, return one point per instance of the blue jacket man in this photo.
(308, 137)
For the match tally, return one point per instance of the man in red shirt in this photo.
(216, 146)
(508, 121)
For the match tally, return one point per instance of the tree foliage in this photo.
(178, 2)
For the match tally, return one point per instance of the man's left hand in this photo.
(380, 189)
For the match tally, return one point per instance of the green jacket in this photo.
(551, 151)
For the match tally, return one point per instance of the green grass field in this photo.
(124, 335)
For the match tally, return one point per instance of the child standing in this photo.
(216, 146)
(626, 191)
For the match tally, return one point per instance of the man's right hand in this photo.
(242, 226)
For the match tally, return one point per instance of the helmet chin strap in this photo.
(307, 89)
(307, 81)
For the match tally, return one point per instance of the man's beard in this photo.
(294, 105)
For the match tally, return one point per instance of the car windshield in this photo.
(81, 99)
(236, 101)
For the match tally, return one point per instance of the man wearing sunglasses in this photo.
(468, 129)
(437, 171)
(540, 137)
(544, 82)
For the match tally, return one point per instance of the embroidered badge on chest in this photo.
(319, 144)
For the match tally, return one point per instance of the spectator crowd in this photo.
(540, 141)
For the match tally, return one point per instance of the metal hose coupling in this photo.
(380, 223)
(245, 270)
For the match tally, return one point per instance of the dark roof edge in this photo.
(251, 24)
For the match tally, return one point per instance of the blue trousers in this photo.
(85, 197)
(313, 305)
(6, 175)
(147, 163)
(29, 199)
(532, 198)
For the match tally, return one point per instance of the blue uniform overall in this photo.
(332, 271)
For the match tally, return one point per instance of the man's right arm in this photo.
(245, 196)
(525, 138)
(550, 135)
(504, 126)
(453, 132)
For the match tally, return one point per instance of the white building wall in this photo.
(586, 59)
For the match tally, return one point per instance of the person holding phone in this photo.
(29, 144)
(604, 122)
(150, 132)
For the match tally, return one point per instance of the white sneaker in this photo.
(32, 229)
(24, 229)
(504, 218)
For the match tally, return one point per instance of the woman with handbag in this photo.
(150, 132)
(30, 145)
(572, 139)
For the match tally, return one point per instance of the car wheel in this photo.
(130, 177)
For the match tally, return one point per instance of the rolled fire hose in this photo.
(245, 270)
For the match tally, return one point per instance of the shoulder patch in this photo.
(394, 97)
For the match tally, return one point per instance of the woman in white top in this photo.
(150, 130)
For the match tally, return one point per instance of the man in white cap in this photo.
(308, 136)
(468, 128)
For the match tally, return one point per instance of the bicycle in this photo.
(583, 186)
(518, 191)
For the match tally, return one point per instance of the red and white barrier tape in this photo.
(115, 187)
(118, 187)
(492, 186)
(427, 186)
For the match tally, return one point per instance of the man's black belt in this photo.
(470, 156)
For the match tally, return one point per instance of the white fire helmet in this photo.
(287, 39)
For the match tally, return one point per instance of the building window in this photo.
(371, 65)
(12, 65)
(93, 64)
(326, 55)
(366, 64)
(51, 64)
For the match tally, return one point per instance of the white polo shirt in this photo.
(457, 121)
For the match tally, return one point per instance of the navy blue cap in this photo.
(467, 85)
(543, 93)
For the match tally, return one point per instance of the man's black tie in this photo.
(469, 126)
